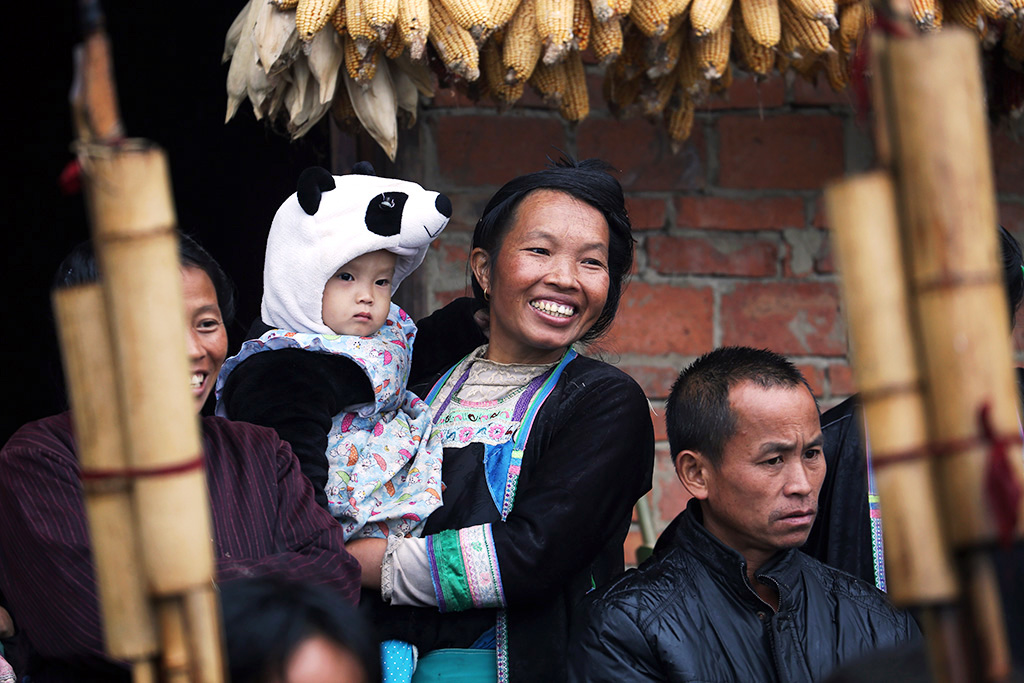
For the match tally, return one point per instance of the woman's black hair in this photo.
(266, 619)
(79, 268)
(588, 181)
(1013, 271)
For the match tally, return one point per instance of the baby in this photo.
(334, 385)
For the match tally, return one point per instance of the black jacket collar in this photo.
(729, 567)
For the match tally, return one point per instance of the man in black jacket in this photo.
(727, 596)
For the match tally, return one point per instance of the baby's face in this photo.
(357, 299)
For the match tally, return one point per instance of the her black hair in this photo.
(1013, 275)
(79, 267)
(266, 619)
(588, 181)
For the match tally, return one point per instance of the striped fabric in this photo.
(265, 522)
(464, 569)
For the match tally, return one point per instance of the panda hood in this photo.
(331, 220)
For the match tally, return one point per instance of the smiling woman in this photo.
(545, 450)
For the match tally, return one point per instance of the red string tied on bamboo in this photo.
(1003, 489)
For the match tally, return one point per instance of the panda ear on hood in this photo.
(363, 168)
(313, 182)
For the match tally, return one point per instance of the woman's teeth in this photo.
(198, 379)
(552, 308)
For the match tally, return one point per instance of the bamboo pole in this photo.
(918, 565)
(128, 194)
(941, 158)
(128, 189)
(865, 229)
(127, 615)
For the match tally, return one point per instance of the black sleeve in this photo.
(297, 392)
(444, 337)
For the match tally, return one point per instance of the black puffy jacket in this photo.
(689, 614)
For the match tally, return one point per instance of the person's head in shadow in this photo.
(280, 631)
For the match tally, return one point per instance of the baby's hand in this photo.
(482, 318)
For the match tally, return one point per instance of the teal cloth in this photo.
(456, 664)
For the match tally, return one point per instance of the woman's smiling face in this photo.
(548, 281)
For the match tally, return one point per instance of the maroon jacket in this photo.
(265, 522)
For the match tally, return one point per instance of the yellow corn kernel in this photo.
(712, 52)
(621, 7)
(691, 81)
(761, 18)
(996, 9)
(708, 16)
(927, 14)
(606, 40)
(361, 68)
(472, 15)
(651, 16)
(381, 14)
(720, 86)
(502, 12)
(358, 27)
(968, 14)
(338, 19)
(656, 94)
(853, 25)
(837, 70)
(313, 15)
(757, 59)
(522, 46)
(633, 59)
(581, 22)
(620, 92)
(809, 34)
(503, 94)
(677, 8)
(554, 25)
(454, 44)
(549, 80)
(818, 10)
(393, 46)
(679, 122)
(413, 24)
(575, 104)
(665, 55)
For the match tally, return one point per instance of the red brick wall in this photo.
(732, 244)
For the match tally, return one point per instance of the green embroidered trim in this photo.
(451, 572)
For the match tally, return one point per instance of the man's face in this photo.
(763, 496)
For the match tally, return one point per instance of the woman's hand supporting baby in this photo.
(370, 553)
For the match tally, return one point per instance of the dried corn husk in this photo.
(377, 109)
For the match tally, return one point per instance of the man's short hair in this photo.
(698, 413)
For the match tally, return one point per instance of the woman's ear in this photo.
(693, 471)
(480, 264)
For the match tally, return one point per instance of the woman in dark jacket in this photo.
(546, 450)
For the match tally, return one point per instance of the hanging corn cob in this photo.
(606, 40)
(652, 16)
(575, 105)
(821, 10)
(472, 15)
(927, 14)
(504, 94)
(679, 122)
(708, 16)
(808, 33)
(313, 15)
(502, 11)
(522, 47)
(554, 24)
(854, 20)
(358, 27)
(582, 17)
(414, 25)
(757, 59)
(761, 18)
(712, 53)
(454, 43)
(550, 82)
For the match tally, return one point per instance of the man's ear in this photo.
(693, 470)
(480, 264)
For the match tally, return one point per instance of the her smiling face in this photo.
(207, 339)
(548, 281)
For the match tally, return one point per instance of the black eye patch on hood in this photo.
(384, 213)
